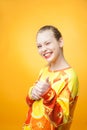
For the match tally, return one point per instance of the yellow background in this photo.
(20, 62)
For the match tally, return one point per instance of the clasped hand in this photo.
(40, 88)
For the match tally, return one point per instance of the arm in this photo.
(29, 99)
(57, 105)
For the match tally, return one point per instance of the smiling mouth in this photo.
(47, 55)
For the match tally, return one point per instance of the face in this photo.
(48, 47)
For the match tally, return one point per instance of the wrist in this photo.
(49, 94)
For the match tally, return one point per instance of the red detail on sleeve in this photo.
(52, 109)
(48, 95)
(28, 116)
(29, 101)
(57, 114)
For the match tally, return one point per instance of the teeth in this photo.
(46, 54)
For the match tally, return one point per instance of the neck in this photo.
(59, 64)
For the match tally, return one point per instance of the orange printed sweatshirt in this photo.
(54, 111)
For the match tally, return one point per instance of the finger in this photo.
(38, 88)
(35, 97)
(40, 83)
(36, 91)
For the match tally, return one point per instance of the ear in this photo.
(61, 42)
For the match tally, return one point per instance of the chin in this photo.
(49, 61)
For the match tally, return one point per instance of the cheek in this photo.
(39, 51)
(56, 51)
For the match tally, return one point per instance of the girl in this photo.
(52, 98)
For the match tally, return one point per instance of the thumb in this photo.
(47, 80)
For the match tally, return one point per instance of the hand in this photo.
(40, 88)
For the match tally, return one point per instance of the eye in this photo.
(47, 43)
(39, 46)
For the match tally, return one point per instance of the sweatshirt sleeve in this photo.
(29, 99)
(57, 105)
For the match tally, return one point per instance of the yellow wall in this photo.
(19, 59)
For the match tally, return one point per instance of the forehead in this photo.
(44, 36)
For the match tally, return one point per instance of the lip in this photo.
(47, 55)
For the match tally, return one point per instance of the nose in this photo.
(44, 48)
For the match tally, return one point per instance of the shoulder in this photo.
(71, 74)
(43, 70)
(72, 77)
(73, 82)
